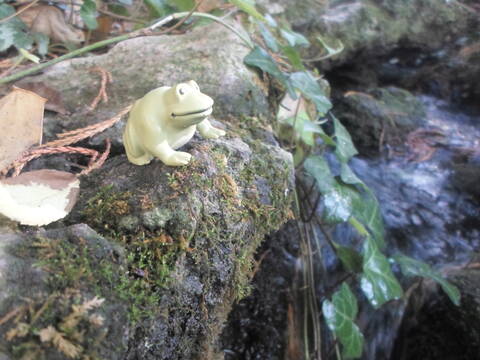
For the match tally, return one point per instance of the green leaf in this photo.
(330, 50)
(318, 168)
(260, 58)
(345, 149)
(269, 38)
(412, 267)
(248, 6)
(293, 38)
(88, 12)
(308, 86)
(337, 205)
(367, 211)
(348, 176)
(42, 41)
(294, 57)
(12, 32)
(340, 314)
(158, 8)
(378, 282)
(337, 200)
(271, 21)
(351, 259)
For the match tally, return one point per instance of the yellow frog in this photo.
(164, 120)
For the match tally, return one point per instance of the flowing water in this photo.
(428, 209)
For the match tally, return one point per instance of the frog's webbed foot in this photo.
(208, 131)
(178, 158)
(213, 133)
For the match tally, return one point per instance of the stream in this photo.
(430, 210)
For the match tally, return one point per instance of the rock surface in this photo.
(145, 63)
(379, 116)
(168, 250)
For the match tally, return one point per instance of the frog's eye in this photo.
(181, 90)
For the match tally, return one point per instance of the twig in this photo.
(18, 12)
(102, 93)
(101, 160)
(77, 135)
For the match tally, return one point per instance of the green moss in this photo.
(103, 210)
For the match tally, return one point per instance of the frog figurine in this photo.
(164, 120)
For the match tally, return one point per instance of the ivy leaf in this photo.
(248, 6)
(337, 201)
(337, 205)
(293, 56)
(348, 176)
(271, 21)
(340, 314)
(351, 259)
(318, 168)
(260, 58)
(412, 267)
(158, 8)
(367, 211)
(294, 38)
(88, 12)
(269, 38)
(345, 149)
(12, 32)
(378, 282)
(308, 86)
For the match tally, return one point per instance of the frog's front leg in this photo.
(208, 131)
(164, 152)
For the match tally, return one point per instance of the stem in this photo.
(70, 55)
(179, 15)
(116, 39)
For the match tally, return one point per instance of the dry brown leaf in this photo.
(38, 197)
(50, 20)
(21, 123)
(55, 101)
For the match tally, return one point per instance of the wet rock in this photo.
(379, 116)
(434, 328)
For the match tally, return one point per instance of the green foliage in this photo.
(378, 282)
(263, 60)
(412, 267)
(249, 7)
(12, 32)
(88, 12)
(344, 197)
(340, 314)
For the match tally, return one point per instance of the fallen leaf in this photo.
(21, 122)
(38, 197)
(50, 20)
(55, 101)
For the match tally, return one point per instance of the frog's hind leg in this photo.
(135, 154)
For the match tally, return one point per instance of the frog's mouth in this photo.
(208, 111)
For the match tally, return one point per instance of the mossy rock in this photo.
(381, 114)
